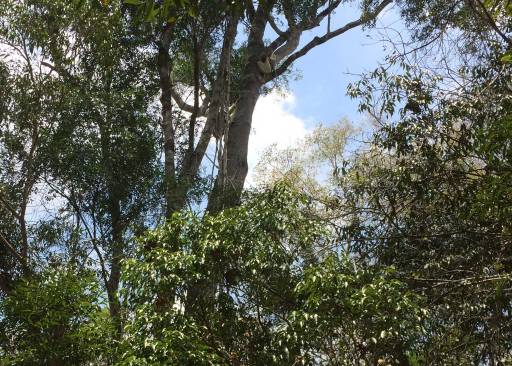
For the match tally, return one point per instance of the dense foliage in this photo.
(276, 292)
(126, 238)
(435, 195)
(55, 318)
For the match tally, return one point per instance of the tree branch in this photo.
(13, 251)
(184, 106)
(291, 45)
(274, 26)
(493, 24)
(328, 36)
(9, 208)
(297, 29)
(72, 201)
(61, 71)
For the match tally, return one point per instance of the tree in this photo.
(94, 143)
(396, 254)
(313, 166)
(431, 199)
(300, 17)
(26, 116)
(231, 92)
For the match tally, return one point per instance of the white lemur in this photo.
(267, 64)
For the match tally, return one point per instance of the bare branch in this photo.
(274, 26)
(295, 30)
(291, 45)
(184, 106)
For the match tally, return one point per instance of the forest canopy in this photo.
(133, 230)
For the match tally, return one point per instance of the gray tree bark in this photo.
(164, 72)
(231, 177)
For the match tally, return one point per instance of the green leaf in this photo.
(133, 2)
(507, 58)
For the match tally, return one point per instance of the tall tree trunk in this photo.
(216, 123)
(230, 179)
(117, 242)
(172, 199)
(115, 267)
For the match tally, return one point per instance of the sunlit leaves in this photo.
(161, 11)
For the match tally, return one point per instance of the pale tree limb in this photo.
(326, 37)
(302, 26)
(184, 106)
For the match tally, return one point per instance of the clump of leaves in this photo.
(55, 318)
(257, 285)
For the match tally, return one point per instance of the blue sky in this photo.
(321, 92)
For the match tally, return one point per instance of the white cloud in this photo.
(273, 123)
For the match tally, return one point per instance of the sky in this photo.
(319, 95)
